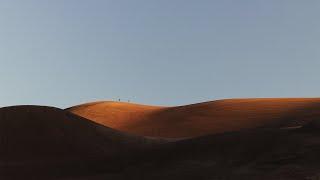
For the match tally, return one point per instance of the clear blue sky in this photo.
(162, 52)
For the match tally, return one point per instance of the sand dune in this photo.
(38, 141)
(203, 118)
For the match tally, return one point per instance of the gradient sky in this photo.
(161, 52)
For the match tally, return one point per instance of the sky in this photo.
(159, 52)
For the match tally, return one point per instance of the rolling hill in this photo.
(202, 118)
(261, 139)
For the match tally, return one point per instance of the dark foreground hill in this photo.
(49, 142)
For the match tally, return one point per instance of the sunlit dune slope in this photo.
(203, 118)
(38, 140)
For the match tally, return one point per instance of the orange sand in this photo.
(203, 118)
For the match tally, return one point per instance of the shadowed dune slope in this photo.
(290, 154)
(38, 140)
(203, 118)
(273, 153)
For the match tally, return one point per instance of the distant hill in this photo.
(203, 118)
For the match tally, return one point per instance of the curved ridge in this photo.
(202, 118)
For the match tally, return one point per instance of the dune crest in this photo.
(202, 118)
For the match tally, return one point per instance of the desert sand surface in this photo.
(202, 118)
(39, 142)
